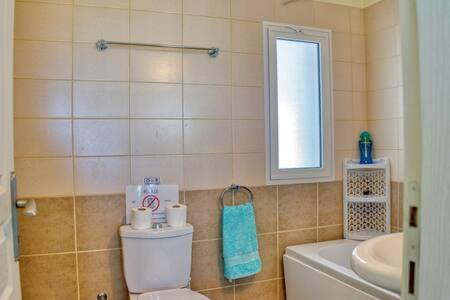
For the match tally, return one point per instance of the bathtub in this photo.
(322, 271)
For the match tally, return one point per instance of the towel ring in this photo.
(237, 188)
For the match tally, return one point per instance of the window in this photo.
(299, 105)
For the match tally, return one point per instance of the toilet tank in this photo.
(156, 259)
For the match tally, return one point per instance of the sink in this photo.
(379, 260)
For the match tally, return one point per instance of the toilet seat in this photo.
(175, 294)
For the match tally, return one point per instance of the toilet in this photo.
(157, 262)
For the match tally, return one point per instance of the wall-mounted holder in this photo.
(367, 208)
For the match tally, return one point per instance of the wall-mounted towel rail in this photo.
(102, 45)
(235, 188)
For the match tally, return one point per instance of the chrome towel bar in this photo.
(102, 45)
(235, 188)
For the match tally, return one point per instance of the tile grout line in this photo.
(77, 268)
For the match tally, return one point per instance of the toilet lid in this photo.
(177, 294)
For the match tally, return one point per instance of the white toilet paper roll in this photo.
(141, 218)
(176, 215)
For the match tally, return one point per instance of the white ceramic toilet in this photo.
(157, 263)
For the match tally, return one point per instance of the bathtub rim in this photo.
(309, 255)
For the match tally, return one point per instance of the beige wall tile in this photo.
(343, 105)
(247, 69)
(395, 212)
(332, 16)
(49, 277)
(170, 6)
(292, 238)
(392, 155)
(359, 77)
(207, 136)
(168, 168)
(384, 73)
(330, 203)
(248, 136)
(156, 100)
(42, 60)
(101, 137)
(95, 228)
(343, 135)
(204, 214)
(101, 272)
(249, 169)
(104, 3)
(37, 21)
(101, 175)
(331, 233)
(212, 8)
(90, 64)
(169, 28)
(207, 101)
(297, 206)
(44, 177)
(96, 23)
(342, 74)
(360, 106)
(100, 99)
(381, 44)
(42, 137)
(385, 104)
(342, 46)
(385, 133)
(248, 103)
(207, 255)
(207, 32)
(200, 68)
(219, 294)
(246, 37)
(268, 253)
(51, 230)
(42, 98)
(380, 15)
(257, 10)
(156, 137)
(201, 171)
(153, 65)
(339, 156)
(281, 290)
(357, 20)
(266, 290)
(296, 13)
(358, 48)
(52, 1)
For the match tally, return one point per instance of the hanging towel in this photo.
(240, 244)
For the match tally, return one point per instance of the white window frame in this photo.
(275, 175)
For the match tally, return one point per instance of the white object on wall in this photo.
(367, 191)
(156, 197)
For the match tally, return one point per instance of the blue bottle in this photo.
(365, 148)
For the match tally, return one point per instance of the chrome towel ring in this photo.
(235, 188)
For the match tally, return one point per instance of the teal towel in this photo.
(240, 244)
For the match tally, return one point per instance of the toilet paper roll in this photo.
(141, 218)
(176, 215)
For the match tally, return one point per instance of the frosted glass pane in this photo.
(299, 108)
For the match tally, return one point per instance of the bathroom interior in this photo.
(224, 149)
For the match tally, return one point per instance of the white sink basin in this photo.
(379, 260)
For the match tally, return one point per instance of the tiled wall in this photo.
(384, 78)
(89, 123)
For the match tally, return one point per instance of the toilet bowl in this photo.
(157, 262)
